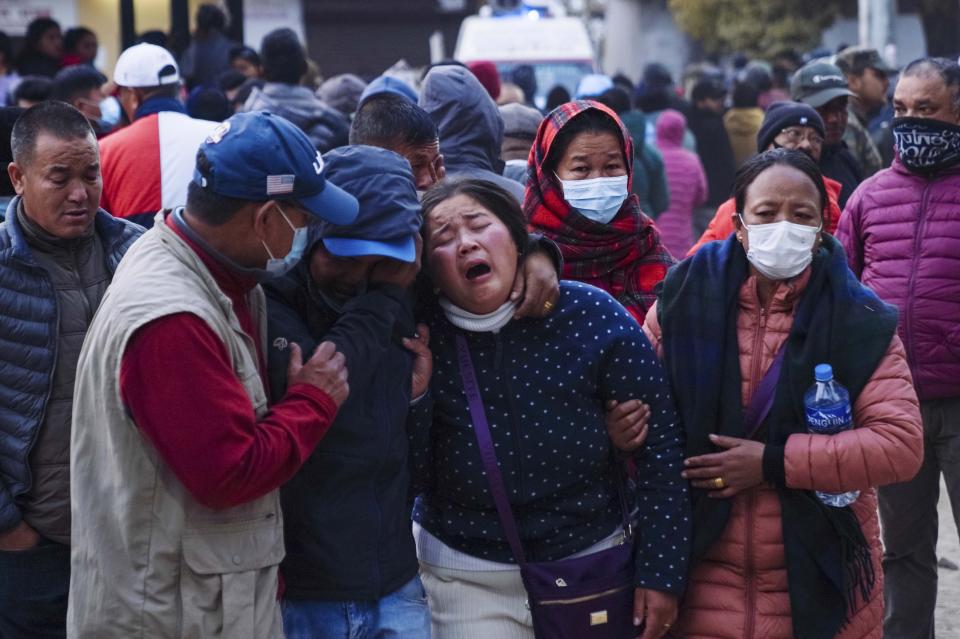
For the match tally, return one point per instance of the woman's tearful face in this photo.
(471, 256)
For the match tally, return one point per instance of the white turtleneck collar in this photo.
(486, 323)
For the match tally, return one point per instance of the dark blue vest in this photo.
(28, 346)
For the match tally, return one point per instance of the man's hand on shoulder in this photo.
(326, 369)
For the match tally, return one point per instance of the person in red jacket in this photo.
(901, 232)
(788, 125)
(147, 165)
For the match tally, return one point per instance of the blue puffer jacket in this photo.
(28, 334)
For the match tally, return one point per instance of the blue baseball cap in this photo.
(260, 156)
(388, 84)
(389, 217)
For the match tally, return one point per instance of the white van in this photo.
(558, 49)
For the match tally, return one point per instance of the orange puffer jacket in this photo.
(739, 589)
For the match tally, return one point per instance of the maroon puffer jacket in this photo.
(901, 232)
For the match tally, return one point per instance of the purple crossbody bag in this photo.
(762, 400)
(587, 597)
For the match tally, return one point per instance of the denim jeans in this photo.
(33, 591)
(402, 615)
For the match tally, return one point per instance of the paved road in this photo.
(948, 595)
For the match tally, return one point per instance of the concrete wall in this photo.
(638, 33)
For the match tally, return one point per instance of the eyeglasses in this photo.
(796, 135)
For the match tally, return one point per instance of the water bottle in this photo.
(827, 408)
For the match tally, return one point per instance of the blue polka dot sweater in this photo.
(544, 384)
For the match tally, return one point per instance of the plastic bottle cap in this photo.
(823, 372)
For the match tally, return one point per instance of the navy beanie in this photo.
(781, 115)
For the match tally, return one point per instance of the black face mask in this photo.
(926, 145)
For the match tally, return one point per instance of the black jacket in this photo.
(716, 154)
(838, 163)
(346, 512)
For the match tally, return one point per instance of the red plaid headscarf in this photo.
(625, 257)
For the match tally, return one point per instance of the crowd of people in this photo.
(359, 358)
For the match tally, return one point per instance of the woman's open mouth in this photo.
(477, 271)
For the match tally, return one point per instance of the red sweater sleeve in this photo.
(177, 381)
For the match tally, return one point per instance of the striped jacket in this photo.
(148, 165)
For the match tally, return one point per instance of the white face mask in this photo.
(598, 199)
(780, 250)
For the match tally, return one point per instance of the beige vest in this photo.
(148, 561)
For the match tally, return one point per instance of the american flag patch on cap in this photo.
(279, 184)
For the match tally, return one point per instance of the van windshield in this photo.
(549, 75)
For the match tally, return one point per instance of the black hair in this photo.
(154, 36)
(230, 79)
(948, 71)
(781, 77)
(556, 96)
(615, 98)
(707, 87)
(207, 103)
(75, 81)
(621, 80)
(73, 37)
(774, 157)
(759, 77)
(524, 76)
(245, 53)
(284, 59)
(56, 118)
(243, 94)
(161, 91)
(35, 31)
(745, 94)
(589, 121)
(34, 88)
(390, 121)
(491, 196)
(657, 76)
(210, 17)
(790, 56)
(212, 209)
(6, 49)
(8, 117)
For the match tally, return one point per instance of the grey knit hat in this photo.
(520, 121)
(342, 92)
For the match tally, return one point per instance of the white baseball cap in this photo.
(146, 65)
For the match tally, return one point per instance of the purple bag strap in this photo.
(487, 454)
(762, 400)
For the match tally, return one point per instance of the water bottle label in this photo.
(829, 420)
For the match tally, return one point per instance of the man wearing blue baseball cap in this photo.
(351, 564)
(177, 453)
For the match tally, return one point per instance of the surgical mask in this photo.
(109, 111)
(598, 199)
(780, 250)
(277, 267)
(926, 145)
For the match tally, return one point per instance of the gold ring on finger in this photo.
(718, 483)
